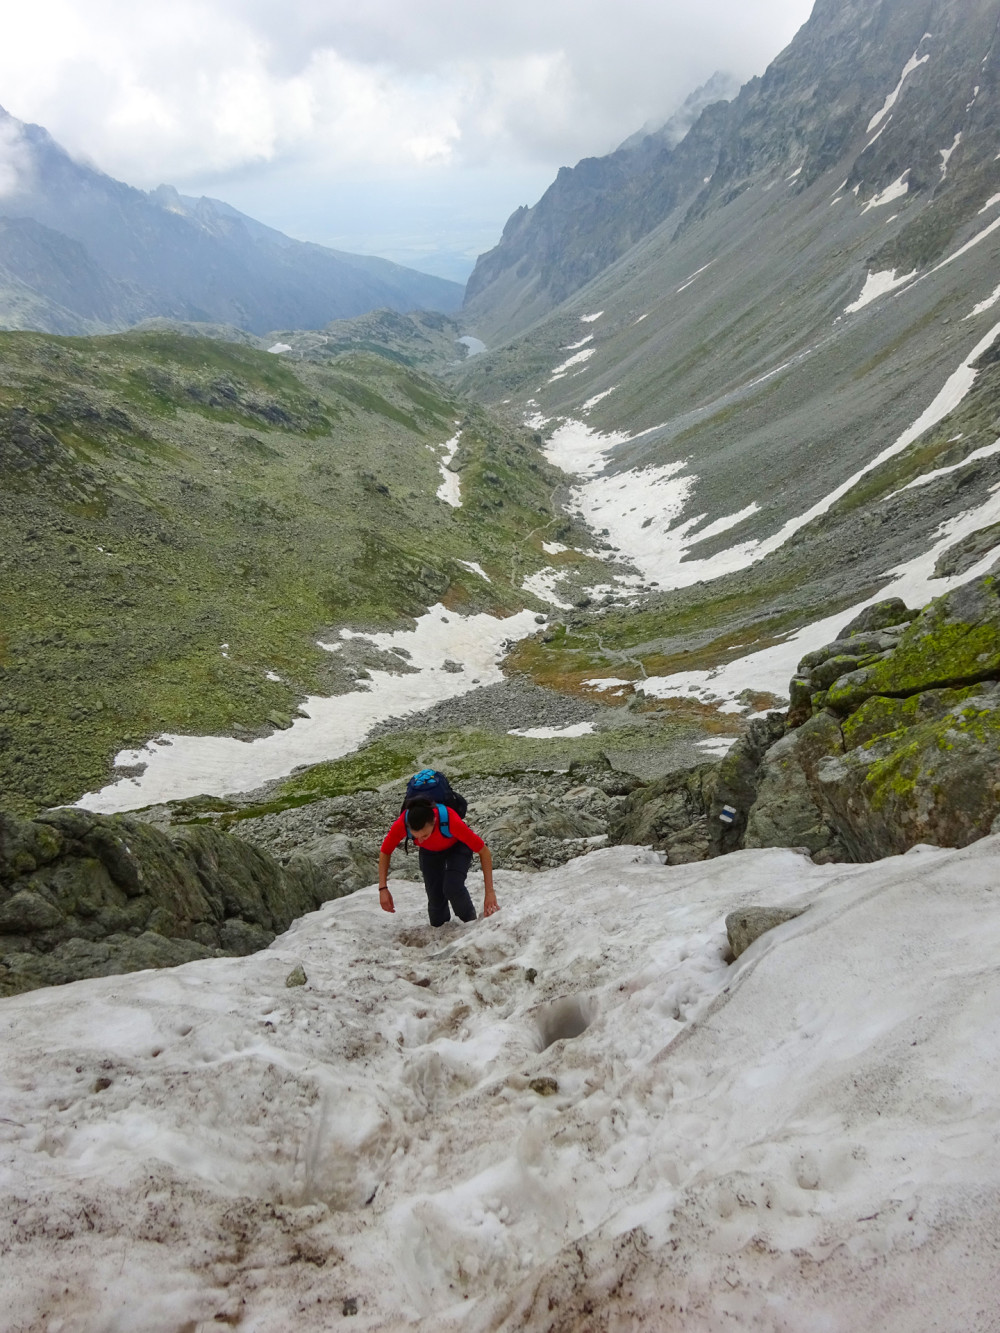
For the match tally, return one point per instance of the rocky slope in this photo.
(795, 383)
(85, 896)
(83, 253)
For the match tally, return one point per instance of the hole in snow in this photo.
(562, 1020)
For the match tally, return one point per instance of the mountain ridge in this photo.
(160, 254)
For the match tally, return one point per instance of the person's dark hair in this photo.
(419, 813)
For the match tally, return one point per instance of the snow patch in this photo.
(577, 359)
(554, 548)
(550, 733)
(829, 1133)
(984, 305)
(696, 274)
(589, 319)
(543, 586)
(450, 490)
(946, 154)
(987, 451)
(718, 746)
(896, 190)
(278, 348)
(976, 240)
(179, 766)
(571, 347)
(599, 397)
(876, 285)
(474, 568)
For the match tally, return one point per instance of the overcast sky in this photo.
(409, 128)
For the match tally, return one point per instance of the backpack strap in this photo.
(443, 824)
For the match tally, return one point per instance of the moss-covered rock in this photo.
(937, 781)
(788, 811)
(903, 745)
(86, 895)
(880, 716)
(955, 642)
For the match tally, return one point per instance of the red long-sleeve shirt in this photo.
(437, 842)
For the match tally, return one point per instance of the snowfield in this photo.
(576, 1115)
(176, 766)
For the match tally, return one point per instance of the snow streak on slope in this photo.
(911, 65)
(771, 669)
(179, 766)
(642, 508)
(876, 285)
(573, 1105)
(450, 490)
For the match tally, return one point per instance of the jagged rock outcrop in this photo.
(85, 895)
(901, 744)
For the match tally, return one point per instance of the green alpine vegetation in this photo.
(182, 518)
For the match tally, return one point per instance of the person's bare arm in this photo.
(490, 904)
(384, 896)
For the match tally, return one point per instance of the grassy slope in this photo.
(162, 496)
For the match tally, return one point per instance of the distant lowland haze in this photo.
(407, 131)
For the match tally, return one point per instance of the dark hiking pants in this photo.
(444, 879)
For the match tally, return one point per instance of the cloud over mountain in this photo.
(207, 88)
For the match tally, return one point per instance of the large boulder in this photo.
(533, 830)
(86, 895)
(934, 778)
(670, 815)
(955, 642)
(736, 783)
(335, 865)
(788, 810)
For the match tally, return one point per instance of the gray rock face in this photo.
(84, 895)
(671, 815)
(749, 923)
(737, 780)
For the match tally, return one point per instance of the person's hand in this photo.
(490, 904)
(385, 900)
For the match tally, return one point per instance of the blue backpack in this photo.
(432, 786)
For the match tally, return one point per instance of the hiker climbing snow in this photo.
(432, 817)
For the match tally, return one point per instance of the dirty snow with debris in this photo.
(575, 1105)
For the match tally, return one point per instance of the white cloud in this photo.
(197, 89)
